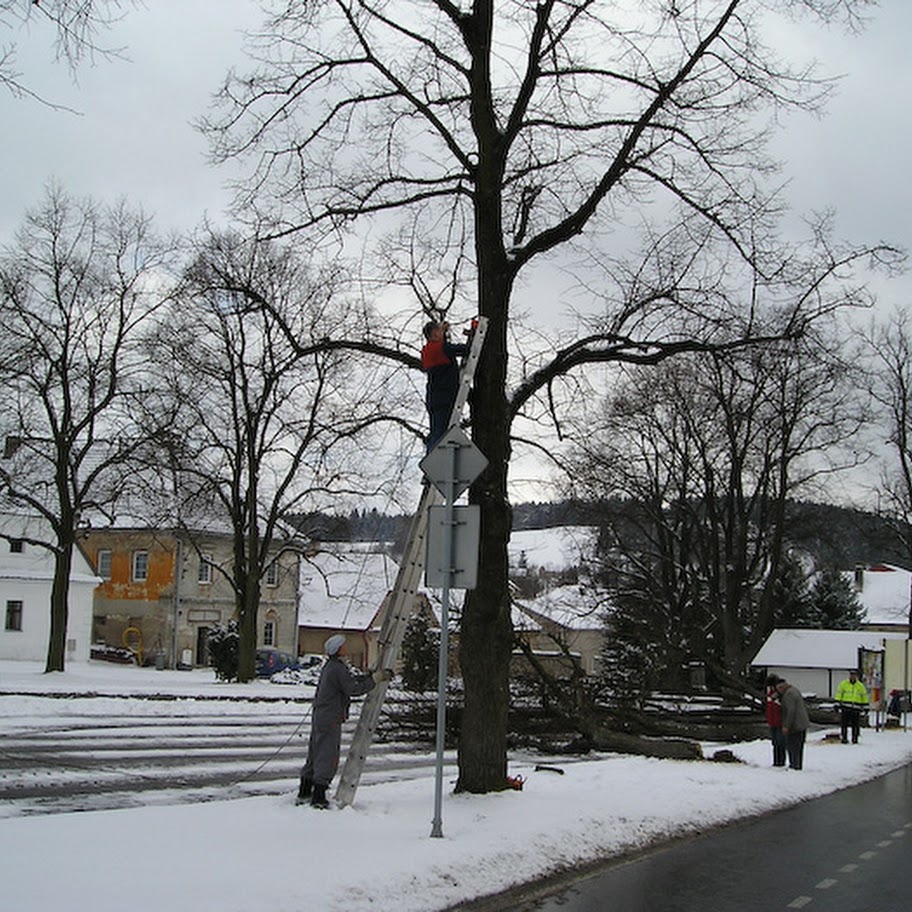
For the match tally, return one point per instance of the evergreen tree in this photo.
(792, 597)
(420, 650)
(223, 650)
(635, 655)
(835, 603)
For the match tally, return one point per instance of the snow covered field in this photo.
(262, 853)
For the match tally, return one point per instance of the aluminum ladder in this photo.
(401, 601)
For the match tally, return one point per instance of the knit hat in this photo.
(334, 644)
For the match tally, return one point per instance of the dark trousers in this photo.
(794, 745)
(440, 424)
(850, 717)
(778, 740)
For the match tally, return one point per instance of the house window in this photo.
(103, 563)
(205, 568)
(17, 546)
(140, 566)
(269, 633)
(272, 574)
(14, 614)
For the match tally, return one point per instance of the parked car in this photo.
(269, 661)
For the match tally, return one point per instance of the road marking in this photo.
(867, 856)
(826, 883)
(800, 902)
(885, 843)
(898, 834)
(847, 869)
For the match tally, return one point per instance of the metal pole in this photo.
(437, 825)
(907, 693)
(905, 698)
(178, 569)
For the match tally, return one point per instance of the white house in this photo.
(26, 575)
(815, 661)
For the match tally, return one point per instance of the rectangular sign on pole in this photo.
(462, 563)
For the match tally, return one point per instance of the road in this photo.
(92, 754)
(79, 752)
(846, 852)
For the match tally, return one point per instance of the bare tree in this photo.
(77, 287)
(536, 133)
(265, 423)
(74, 27)
(707, 452)
(891, 346)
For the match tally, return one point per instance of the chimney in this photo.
(859, 577)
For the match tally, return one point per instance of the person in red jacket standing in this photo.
(774, 720)
(439, 360)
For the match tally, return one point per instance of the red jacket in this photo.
(434, 355)
(773, 708)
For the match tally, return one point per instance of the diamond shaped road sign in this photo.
(440, 464)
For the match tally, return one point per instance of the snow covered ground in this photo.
(262, 853)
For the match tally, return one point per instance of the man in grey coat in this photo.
(336, 687)
(795, 723)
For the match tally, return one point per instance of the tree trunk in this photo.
(603, 738)
(63, 563)
(248, 607)
(486, 635)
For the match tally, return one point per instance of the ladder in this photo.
(401, 602)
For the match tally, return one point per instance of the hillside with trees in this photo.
(836, 536)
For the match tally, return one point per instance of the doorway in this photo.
(202, 646)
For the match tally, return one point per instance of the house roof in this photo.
(573, 607)
(555, 549)
(344, 588)
(884, 590)
(36, 562)
(793, 648)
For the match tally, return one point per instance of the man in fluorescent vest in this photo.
(852, 699)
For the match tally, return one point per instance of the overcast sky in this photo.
(134, 135)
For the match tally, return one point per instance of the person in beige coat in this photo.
(332, 699)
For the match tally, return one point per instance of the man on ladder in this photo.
(439, 360)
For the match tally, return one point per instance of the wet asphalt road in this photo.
(846, 852)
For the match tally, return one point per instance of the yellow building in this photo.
(164, 590)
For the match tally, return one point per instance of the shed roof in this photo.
(794, 648)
